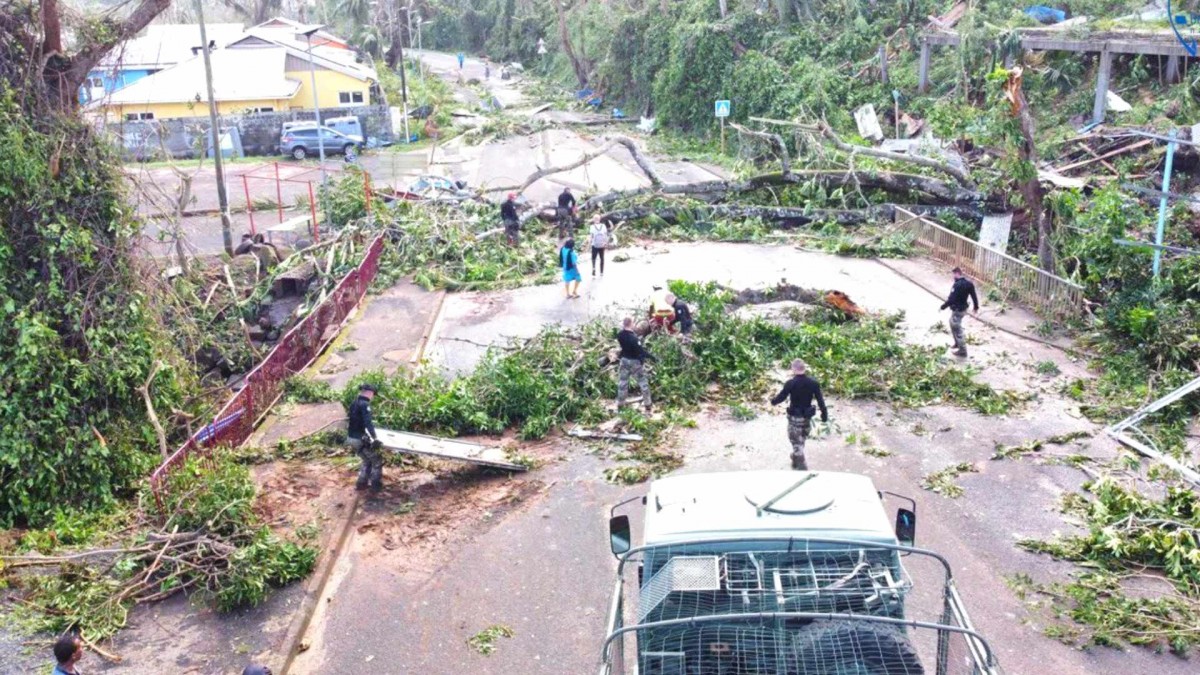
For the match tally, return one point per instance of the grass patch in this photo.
(302, 389)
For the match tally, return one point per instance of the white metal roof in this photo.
(164, 45)
(238, 75)
(340, 60)
(707, 506)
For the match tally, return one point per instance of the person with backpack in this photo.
(568, 259)
(599, 238)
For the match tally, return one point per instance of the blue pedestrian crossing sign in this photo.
(722, 109)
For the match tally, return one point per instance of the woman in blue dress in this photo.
(568, 259)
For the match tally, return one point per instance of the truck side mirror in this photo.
(619, 538)
(906, 527)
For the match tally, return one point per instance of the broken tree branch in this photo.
(775, 140)
(958, 174)
(628, 144)
(150, 412)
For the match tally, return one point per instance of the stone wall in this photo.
(184, 138)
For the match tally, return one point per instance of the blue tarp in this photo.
(1046, 15)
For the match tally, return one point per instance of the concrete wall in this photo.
(184, 137)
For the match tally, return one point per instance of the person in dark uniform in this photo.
(360, 436)
(962, 290)
(632, 364)
(683, 315)
(508, 214)
(801, 390)
(565, 214)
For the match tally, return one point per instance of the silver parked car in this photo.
(302, 141)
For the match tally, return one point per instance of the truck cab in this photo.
(781, 572)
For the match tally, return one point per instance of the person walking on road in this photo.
(800, 392)
(598, 237)
(508, 215)
(360, 436)
(565, 213)
(68, 650)
(461, 58)
(962, 290)
(568, 259)
(632, 364)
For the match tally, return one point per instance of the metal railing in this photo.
(1047, 294)
(238, 418)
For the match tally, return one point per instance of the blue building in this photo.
(160, 47)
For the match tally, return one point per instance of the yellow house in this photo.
(265, 71)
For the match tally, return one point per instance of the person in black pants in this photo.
(508, 214)
(566, 212)
(801, 390)
(360, 436)
(598, 237)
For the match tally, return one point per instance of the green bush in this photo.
(79, 331)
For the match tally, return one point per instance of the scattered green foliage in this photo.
(1036, 445)
(1047, 368)
(1130, 538)
(204, 538)
(942, 482)
(303, 389)
(484, 641)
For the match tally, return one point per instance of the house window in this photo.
(95, 82)
(350, 97)
(134, 117)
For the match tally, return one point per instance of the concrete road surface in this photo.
(538, 563)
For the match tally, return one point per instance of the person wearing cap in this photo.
(632, 364)
(960, 292)
(565, 213)
(801, 390)
(508, 214)
(68, 650)
(360, 436)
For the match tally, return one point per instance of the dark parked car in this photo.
(302, 141)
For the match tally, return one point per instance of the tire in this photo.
(855, 647)
(349, 150)
(299, 152)
(711, 649)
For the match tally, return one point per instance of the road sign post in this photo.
(721, 110)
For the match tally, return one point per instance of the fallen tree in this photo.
(623, 141)
(785, 216)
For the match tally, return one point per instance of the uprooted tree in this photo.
(78, 334)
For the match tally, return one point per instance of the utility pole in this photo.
(218, 160)
(404, 85)
(312, 73)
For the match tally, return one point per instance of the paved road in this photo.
(542, 567)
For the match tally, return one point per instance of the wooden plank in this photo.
(1118, 151)
(446, 448)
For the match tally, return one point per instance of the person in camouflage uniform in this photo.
(962, 291)
(801, 390)
(360, 436)
(632, 364)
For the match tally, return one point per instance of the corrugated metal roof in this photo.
(238, 75)
(165, 45)
(333, 58)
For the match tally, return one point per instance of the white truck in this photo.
(782, 573)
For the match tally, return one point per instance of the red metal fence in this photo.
(238, 418)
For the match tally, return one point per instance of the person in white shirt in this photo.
(598, 238)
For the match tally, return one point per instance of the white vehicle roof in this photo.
(709, 506)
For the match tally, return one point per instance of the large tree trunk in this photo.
(1031, 186)
(580, 71)
(64, 74)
